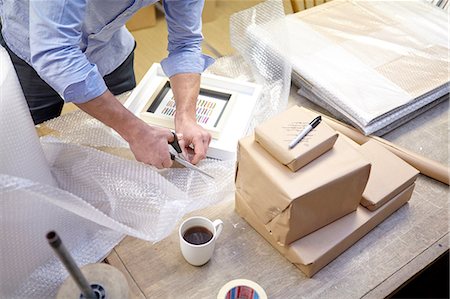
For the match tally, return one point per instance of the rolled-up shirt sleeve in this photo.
(55, 33)
(185, 38)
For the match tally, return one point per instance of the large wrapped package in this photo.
(294, 204)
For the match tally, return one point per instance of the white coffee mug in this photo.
(200, 254)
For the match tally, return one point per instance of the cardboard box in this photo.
(388, 177)
(316, 250)
(209, 11)
(294, 204)
(143, 18)
(276, 134)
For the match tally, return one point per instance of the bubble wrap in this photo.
(145, 203)
(257, 62)
(20, 153)
(29, 210)
(80, 128)
(100, 198)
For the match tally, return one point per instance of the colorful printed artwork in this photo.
(210, 112)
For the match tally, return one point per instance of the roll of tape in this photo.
(241, 289)
(106, 281)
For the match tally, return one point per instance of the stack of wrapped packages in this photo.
(314, 201)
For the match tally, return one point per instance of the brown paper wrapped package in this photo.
(389, 175)
(275, 135)
(294, 204)
(316, 250)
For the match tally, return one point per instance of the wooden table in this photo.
(375, 266)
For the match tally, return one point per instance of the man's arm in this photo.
(148, 144)
(55, 32)
(184, 66)
(185, 89)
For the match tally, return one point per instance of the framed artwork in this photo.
(225, 107)
(213, 108)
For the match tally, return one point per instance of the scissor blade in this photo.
(191, 166)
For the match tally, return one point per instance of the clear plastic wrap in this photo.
(100, 198)
(372, 62)
(28, 211)
(147, 203)
(80, 128)
(256, 61)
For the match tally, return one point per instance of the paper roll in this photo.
(112, 282)
(242, 289)
(21, 154)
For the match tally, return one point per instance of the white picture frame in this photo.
(238, 116)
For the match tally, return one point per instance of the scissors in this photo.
(180, 158)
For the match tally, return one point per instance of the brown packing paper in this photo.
(294, 204)
(426, 166)
(389, 175)
(144, 18)
(276, 133)
(209, 11)
(298, 5)
(316, 250)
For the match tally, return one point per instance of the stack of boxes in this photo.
(315, 200)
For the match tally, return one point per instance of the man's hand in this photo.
(194, 134)
(185, 90)
(148, 144)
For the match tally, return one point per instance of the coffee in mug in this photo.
(198, 237)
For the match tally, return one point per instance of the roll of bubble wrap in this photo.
(21, 154)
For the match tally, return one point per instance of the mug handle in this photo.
(218, 225)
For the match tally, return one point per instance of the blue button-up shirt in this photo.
(72, 44)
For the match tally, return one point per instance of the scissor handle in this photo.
(175, 143)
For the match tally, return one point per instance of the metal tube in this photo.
(67, 260)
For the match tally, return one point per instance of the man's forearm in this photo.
(112, 113)
(185, 89)
(148, 144)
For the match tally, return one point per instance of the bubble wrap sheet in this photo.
(256, 61)
(101, 197)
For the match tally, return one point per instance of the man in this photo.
(80, 51)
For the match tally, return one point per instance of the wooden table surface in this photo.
(376, 265)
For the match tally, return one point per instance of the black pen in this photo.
(305, 131)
